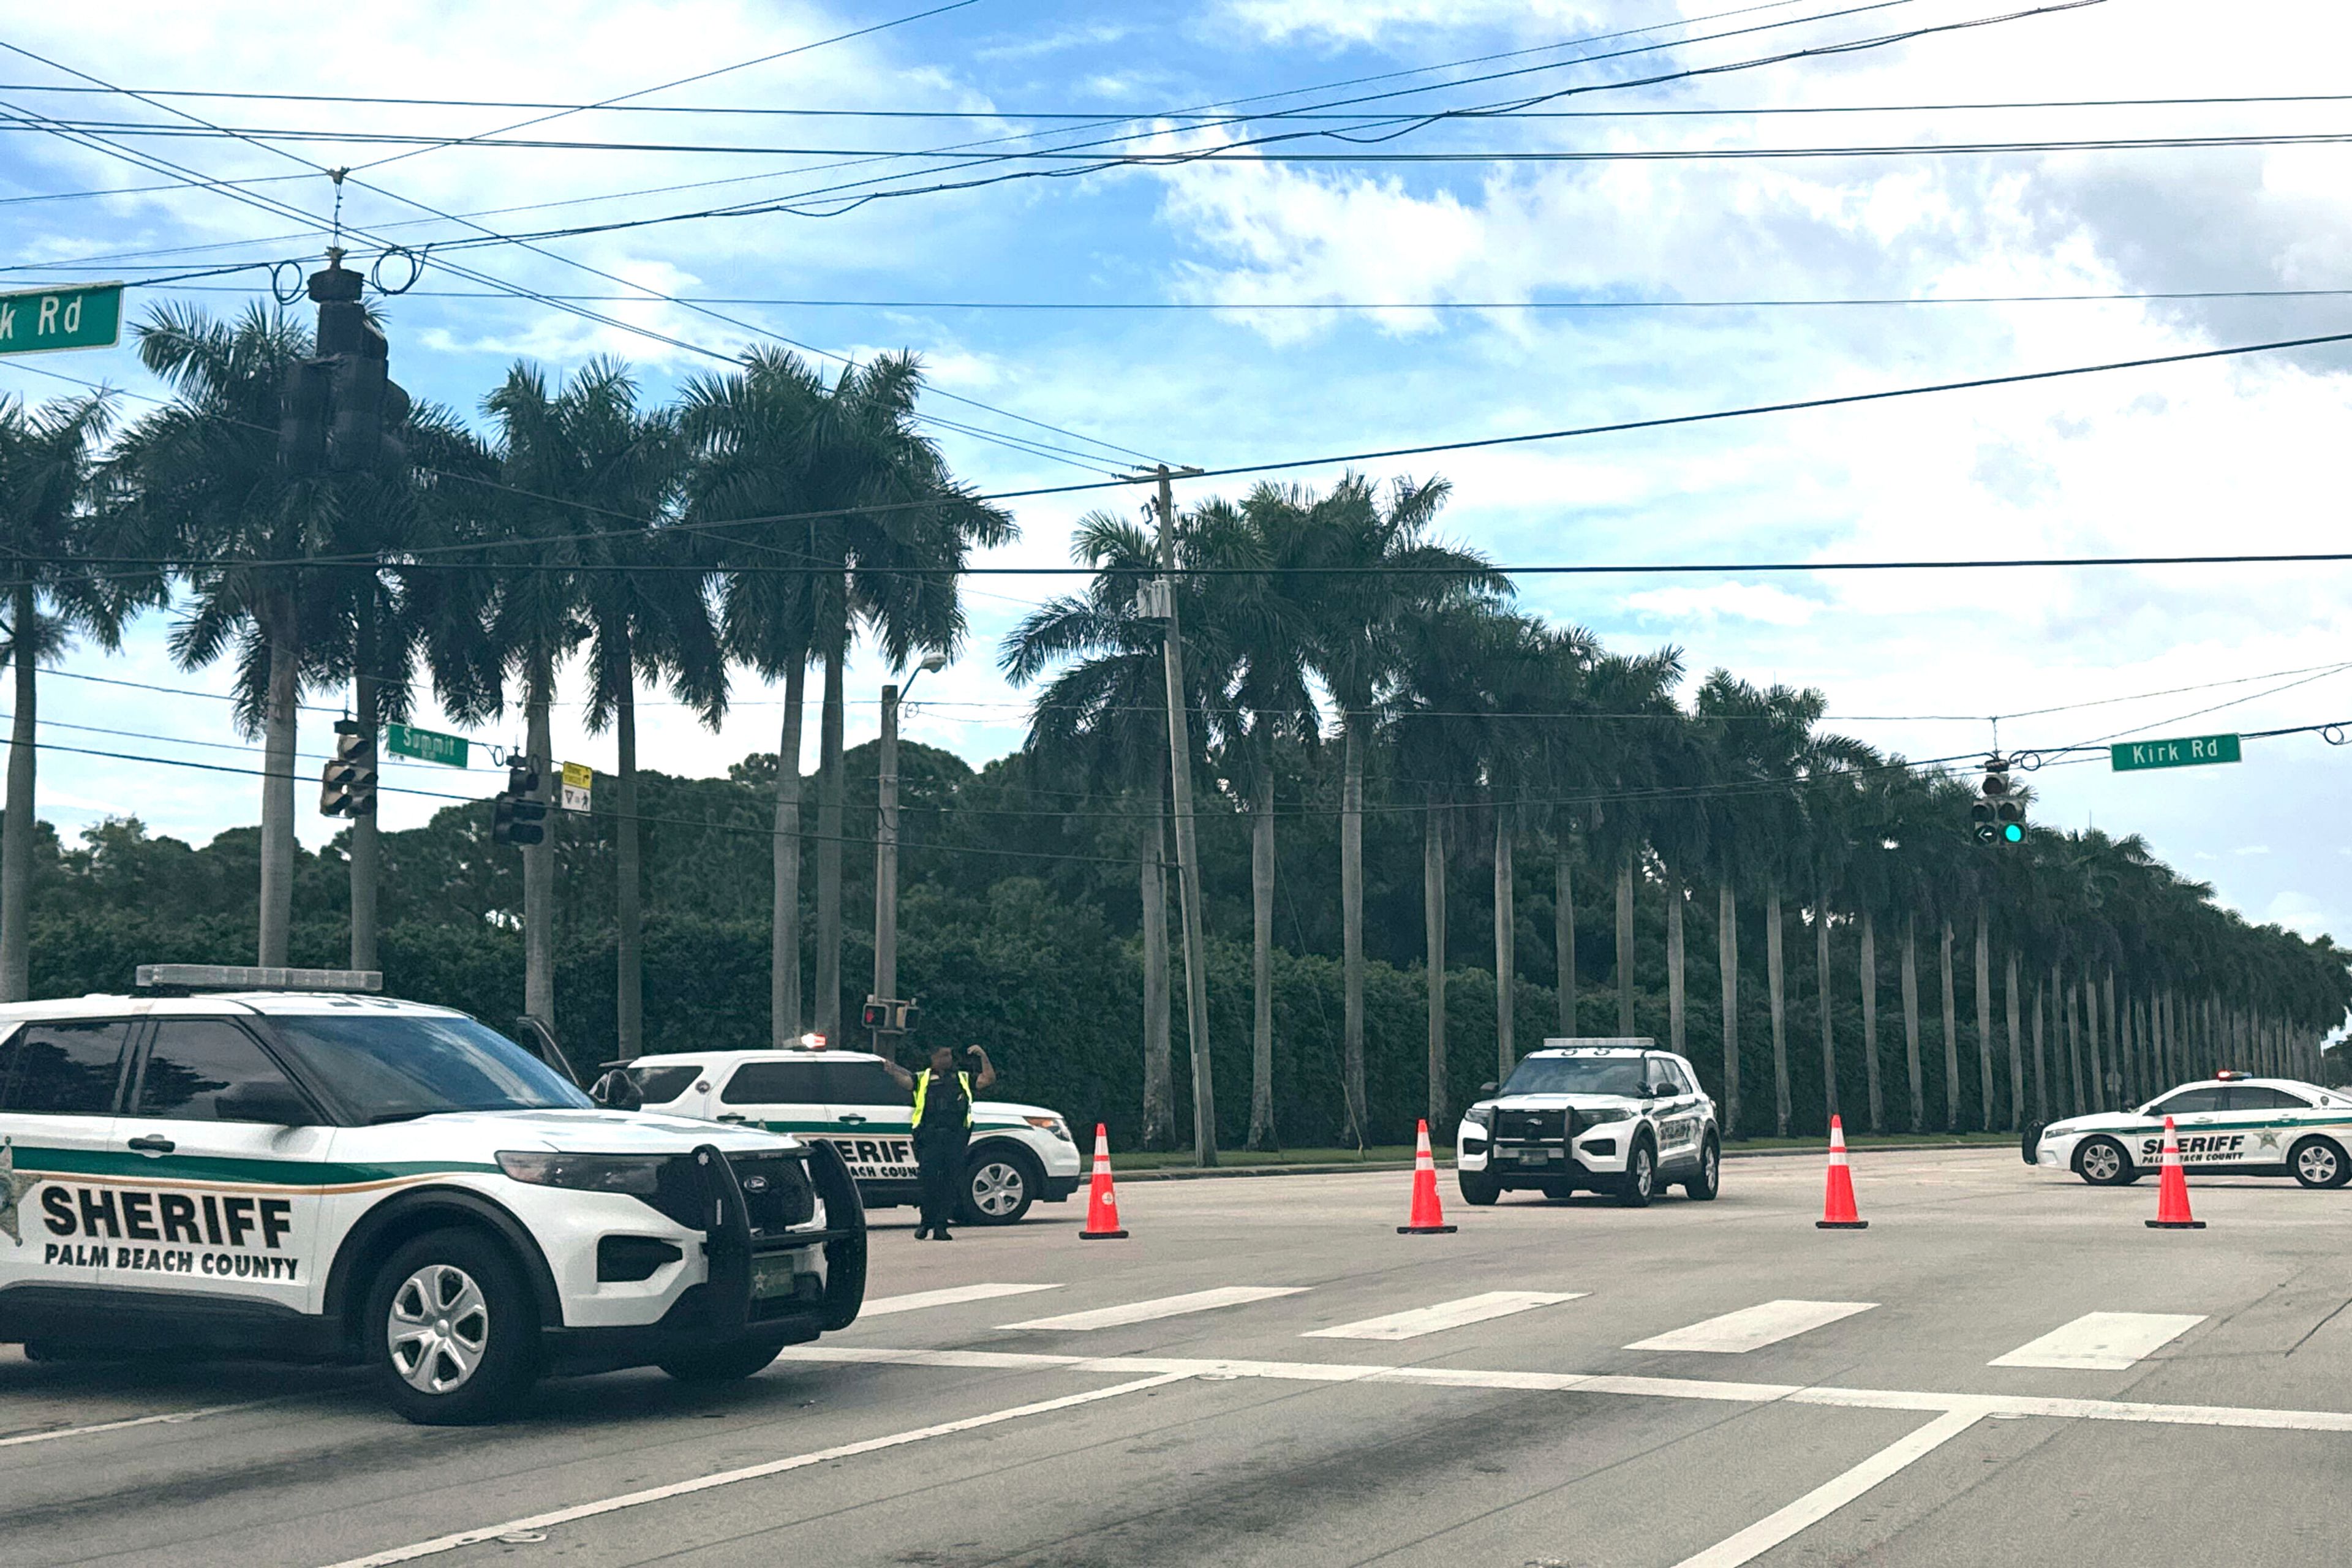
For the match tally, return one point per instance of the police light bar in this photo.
(245, 978)
(811, 1041)
(2227, 1075)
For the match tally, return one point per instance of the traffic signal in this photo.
(515, 817)
(347, 784)
(302, 417)
(1999, 816)
(341, 411)
(889, 1016)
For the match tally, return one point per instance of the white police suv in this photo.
(2230, 1122)
(302, 1169)
(1020, 1154)
(1614, 1115)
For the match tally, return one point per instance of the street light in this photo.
(886, 842)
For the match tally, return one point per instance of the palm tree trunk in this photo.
(1911, 1023)
(830, 784)
(538, 859)
(1985, 1116)
(1351, 924)
(367, 857)
(1822, 1000)
(1726, 951)
(1564, 937)
(1674, 1031)
(277, 795)
(16, 848)
(1776, 985)
(1625, 945)
(1159, 1063)
(1951, 1039)
(1261, 1125)
(2040, 1059)
(2075, 1050)
(784, 1015)
(1870, 1022)
(1433, 914)
(628, 870)
(1507, 946)
(2098, 1065)
(2014, 1004)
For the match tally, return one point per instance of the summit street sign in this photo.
(39, 321)
(2191, 752)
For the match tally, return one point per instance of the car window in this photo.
(660, 1084)
(66, 1068)
(1682, 1077)
(863, 1083)
(2256, 1096)
(2187, 1102)
(1575, 1074)
(392, 1067)
(192, 1062)
(775, 1083)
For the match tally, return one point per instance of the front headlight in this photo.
(1597, 1118)
(1052, 1124)
(639, 1176)
(1479, 1116)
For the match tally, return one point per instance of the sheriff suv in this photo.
(1020, 1154)
(303, 1170)
(1617, 1116)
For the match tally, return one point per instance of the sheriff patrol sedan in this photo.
(331, 1175)
(1617, 1116)
(2243, 1126)
(1020, 1154)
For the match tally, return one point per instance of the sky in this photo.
(1454, 298)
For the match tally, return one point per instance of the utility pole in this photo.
(886, 850)
(1188, 860)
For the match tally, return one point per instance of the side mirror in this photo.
(1487, 1088)
(616, 1090)
(276, 1104)
(1653, 1090)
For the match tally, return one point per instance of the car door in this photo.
(877, 1119)
(58, 1083)
(228, 1169)
(1673, 1113)
(2194, 1113)
(783, 1094)
(2264, 1123)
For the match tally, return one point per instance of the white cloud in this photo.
(1366, 21)
(1737, 601)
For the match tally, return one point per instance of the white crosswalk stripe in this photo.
(1751, 1328)
(2102, 1341)
(915, 1301)
(1162, 1307)
(1445, 1315)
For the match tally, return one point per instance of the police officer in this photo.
(943, 1130)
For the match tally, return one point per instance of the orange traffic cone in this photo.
(1428, 1220)
(1837, 1203)
(1102, 1202)
(2172, 1188)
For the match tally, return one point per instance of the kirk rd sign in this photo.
(2191, 751)
(42, 320)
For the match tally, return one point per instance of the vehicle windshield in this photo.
(392, 1067)
(1576, 1075)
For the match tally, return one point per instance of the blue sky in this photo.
(2183, 459)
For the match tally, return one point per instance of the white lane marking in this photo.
(882, 1307)
(1751, 1328)
(1831, 1495)
(2102, 1341)
(1445, 1315)
(169, 1418)
(1924, 1401)
(1162, 1307)
(554, 1517)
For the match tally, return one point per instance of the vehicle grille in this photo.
(1531, 1126)
(777, 1192)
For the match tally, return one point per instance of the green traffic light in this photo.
(2013, 832)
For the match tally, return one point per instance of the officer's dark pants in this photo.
(939, 1156)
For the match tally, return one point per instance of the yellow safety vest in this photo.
(922, 1081)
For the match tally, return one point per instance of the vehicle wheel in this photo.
(1702, 1186)
(1559, 1189)
(2102, 1163)
(1640, 1184)
(721, 1364)
(1478, 1187)
(999, 1184)
(452, 1329)
(2318, 1163)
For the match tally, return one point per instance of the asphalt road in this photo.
(1845, 1409)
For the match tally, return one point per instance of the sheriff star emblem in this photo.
(13, 1188)
(2269, 1140)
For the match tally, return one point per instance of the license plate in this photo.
(1534, 1156)
(771, 1276)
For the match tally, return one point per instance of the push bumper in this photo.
(1578, 1151)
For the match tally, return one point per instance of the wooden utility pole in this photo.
(1188, 859)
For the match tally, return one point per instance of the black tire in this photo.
(2103, 1162)
(721, 1364)
(1000, 1180)
(450, 1332)
(1640, 1183)
(1707, 1180)
(2319, 1163)
(1559, 1189)
(1478, 1187)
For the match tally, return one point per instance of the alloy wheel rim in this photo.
(438, 1329)
(996, 1188)
(2318, 1164)
(2100, 1164)
(1641, 1171)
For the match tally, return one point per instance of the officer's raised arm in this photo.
(898, 1075)
(987, 1068)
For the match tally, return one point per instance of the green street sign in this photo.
(424, 745)
(2193, 751)
(39, 321)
